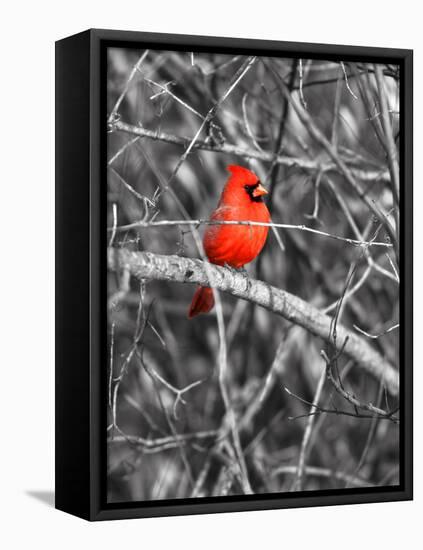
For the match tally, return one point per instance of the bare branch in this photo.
(389, 141)
(376, 336)
(230, 149)
(162, 443)
(301, 80)
(325, 472)
(299, 478)
(136, 67)
(346, 81)
(145, 265)
(196, 223)
(349, 396)
(319, 137)
(335, 411)
(239, 75)
(122, 150)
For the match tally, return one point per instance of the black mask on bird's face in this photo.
(256, 191)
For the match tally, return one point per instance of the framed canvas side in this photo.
(72, 381)
(81, 325)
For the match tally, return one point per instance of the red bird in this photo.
(234, 245)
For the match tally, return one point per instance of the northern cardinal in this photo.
(234, 245)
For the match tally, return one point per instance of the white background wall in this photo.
(28, 31)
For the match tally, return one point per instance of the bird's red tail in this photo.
(202, 302)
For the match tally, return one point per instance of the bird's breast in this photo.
(236, 245)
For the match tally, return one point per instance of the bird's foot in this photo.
(240, 271)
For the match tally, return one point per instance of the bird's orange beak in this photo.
(259, 191)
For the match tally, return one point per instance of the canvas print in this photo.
(253, 275)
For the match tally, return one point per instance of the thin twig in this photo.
(324, 410)
(123, 149)
(145, 200)
(304, 452)
(375, 336)
(113, 235)
(351, 398)
(197, 223)
(301, 78)
(346, 81)
(165, 90)
(369, 439)
(358, 234)
(110, 385)
(247, 124)
(391, 149)
(324, 472)
(136, 67)
(178, 392)
(162, 443)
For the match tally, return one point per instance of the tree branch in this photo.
(230, 149)
(340, 163)
(273, 225)
(145, 265)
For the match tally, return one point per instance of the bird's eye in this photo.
(250, 188)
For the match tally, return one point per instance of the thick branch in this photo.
(145, 265)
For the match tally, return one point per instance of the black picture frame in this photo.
(81, 127)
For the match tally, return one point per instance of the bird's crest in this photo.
(240, 172)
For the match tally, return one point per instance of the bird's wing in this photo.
(222, 241)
